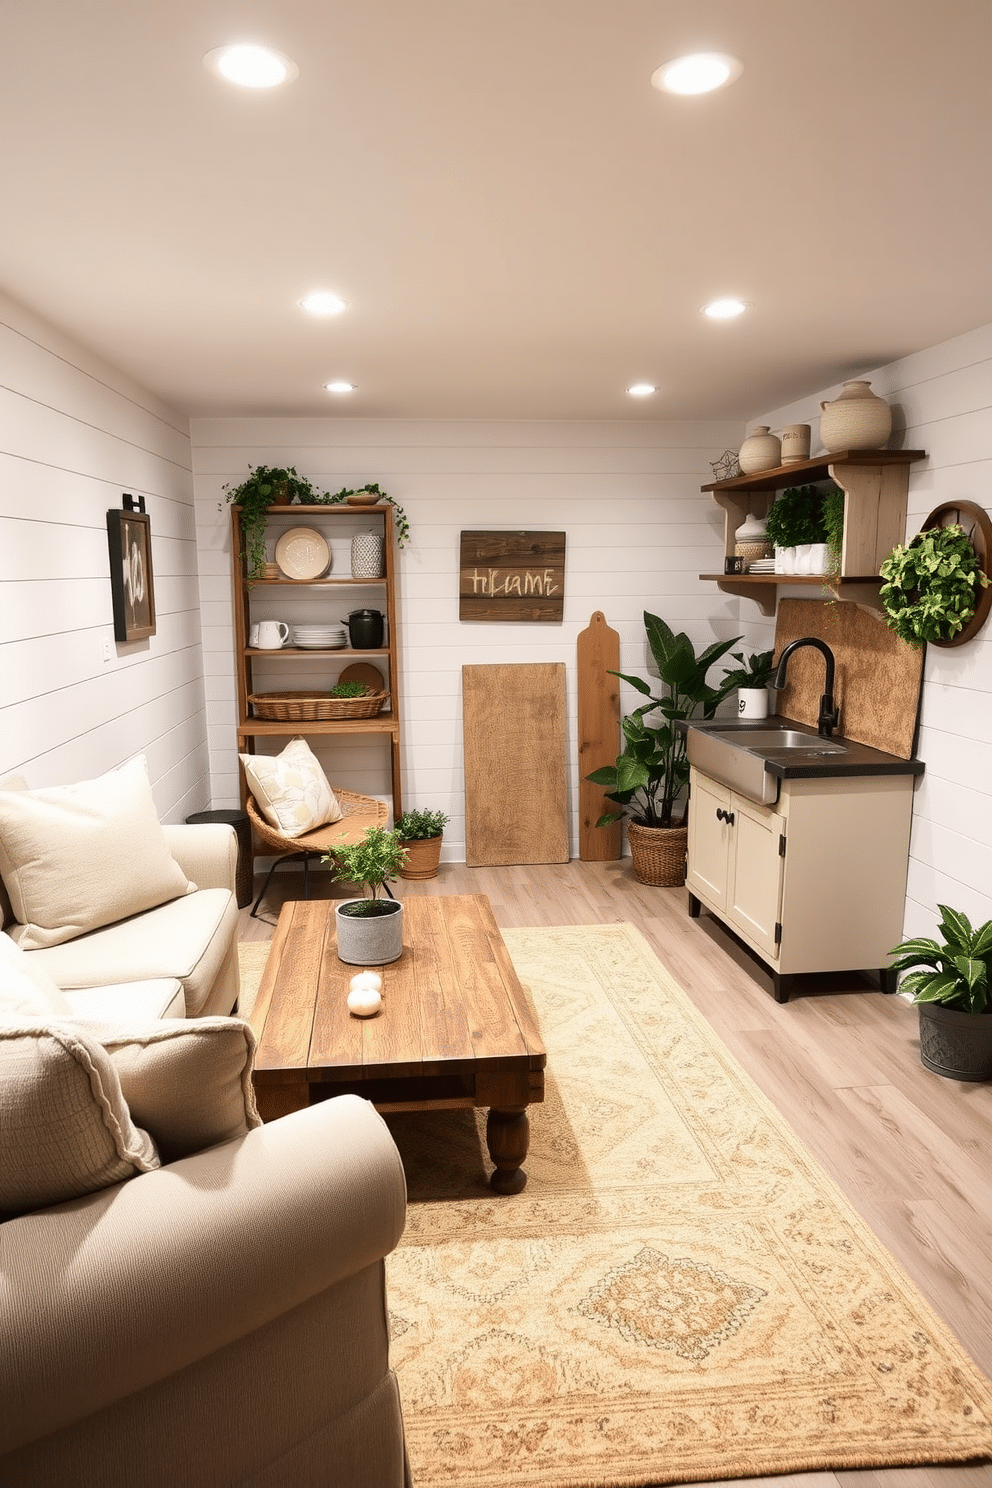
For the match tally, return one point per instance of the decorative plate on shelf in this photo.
(302, 553)
(364, 671)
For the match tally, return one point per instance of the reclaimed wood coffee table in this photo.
(454, 1030)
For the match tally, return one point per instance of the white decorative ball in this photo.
(369, 979)
(364, 1002)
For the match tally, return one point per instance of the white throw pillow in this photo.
(76, 857)
(65, 1129)
(27, 992)
(291, 789)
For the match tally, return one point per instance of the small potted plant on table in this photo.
(421, 833)
(951, 989)
(370, 929)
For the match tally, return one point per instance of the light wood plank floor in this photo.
(911, 1151)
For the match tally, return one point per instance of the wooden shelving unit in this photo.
(249, 728)
(876, 488)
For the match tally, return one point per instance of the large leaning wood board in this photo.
(597, 651)
(878, 675)
(516, 780)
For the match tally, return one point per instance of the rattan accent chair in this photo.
(359, 813)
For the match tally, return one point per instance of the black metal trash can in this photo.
(246, 867)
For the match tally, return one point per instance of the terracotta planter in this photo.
(955, 1044)
(424, 857)
(658, 854)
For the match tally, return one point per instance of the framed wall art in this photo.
(131, 580)
(511, 576)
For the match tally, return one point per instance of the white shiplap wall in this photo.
(942, 403)
(74, 435)
(638, 533)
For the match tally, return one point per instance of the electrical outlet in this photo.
(106, 650)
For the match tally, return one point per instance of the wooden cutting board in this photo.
(598, 654)
(516, 781)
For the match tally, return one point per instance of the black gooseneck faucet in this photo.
(829, 715)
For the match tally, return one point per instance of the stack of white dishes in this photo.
(762, 566)
(319, 637)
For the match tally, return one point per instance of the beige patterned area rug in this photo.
(678, 1294)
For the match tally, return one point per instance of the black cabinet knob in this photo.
(727, 816)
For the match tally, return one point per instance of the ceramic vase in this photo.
(751, 539)
(795, 443)
(855, 420)
(366, 555)
(761, 450)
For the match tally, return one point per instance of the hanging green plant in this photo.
(932, 585)
(833, 521)
(402, 525)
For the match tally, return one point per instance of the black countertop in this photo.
(796, 764)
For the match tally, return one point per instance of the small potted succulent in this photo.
(421, 833)
(370, 929)
(951, 988)
(751, 678)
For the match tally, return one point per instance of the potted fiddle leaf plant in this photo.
(751, 678)
(370, 929)
(949, 982)
(421, 833)
(649, 779)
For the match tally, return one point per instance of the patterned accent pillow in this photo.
(65, 1129)
(291, 789)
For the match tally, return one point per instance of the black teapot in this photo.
(365, 629)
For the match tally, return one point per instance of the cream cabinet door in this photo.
(710, 841)
(757, 870)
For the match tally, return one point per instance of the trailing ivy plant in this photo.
(274, 485)
(931, 586)
(956, 974)
(833, 521)
(267, 485)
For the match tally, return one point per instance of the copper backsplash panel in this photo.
(878, 677)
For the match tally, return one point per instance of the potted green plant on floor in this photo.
(649, 780)
(421, 833)
(370, 929)
(951, 989)
(751, 678)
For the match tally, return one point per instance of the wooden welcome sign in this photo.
(512, 576)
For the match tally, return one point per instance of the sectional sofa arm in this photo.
(207, 852)
(105, 1295)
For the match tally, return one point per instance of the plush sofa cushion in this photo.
(128, 1002)
(187, 1083)
(27, 992)
(291, 789)
(188, 938)
(65, 1129)
(76, 857)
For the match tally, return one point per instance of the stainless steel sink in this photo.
(736, 756)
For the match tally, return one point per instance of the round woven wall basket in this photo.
(658, 854)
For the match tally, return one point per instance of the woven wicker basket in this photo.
(306, 707)
(658, 854)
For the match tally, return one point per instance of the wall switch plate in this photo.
(106, 650)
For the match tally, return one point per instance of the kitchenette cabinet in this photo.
(815, 882)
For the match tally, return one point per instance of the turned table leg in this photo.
(508, 1137)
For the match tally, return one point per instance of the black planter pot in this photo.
(955, 1044)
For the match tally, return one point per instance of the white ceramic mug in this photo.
(752, 702)
(272, 634)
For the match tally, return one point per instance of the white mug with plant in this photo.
(751, 678)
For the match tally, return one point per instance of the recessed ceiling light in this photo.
(323, 302)
(641, 389)
(699, 73)
(340, 387)
(725, 309)
(251, 66)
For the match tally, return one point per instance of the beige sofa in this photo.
(175, 958)
(186, 1296)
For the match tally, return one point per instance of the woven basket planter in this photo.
(307, 707)
(658, 854)
(424, 857)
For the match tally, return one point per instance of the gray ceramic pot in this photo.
(955, 1044)
(369, 940)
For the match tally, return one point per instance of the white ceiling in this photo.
(521, 224)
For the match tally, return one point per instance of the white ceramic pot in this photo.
(855, 420)
(752, 702)
(369, 940)
(760, 451)
(785, 560)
